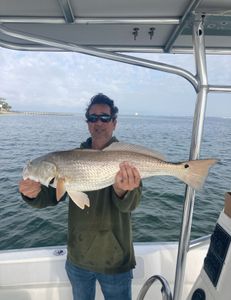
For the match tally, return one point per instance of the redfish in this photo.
(80, 170)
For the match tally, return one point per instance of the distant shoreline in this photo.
(34, 113)
(39, 113)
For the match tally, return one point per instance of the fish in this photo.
(78, 170)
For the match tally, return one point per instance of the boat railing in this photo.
(197, 243)
(165, 289)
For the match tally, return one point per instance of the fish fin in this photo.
(85, 150)
(60, 188)
(197, 172)
(120, 146)
(79, 198)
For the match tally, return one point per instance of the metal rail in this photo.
(219, 88)
(198, 124)
(177, 31)
(67, 11)
(93, 20)
(200, 242)
(131, 49)
(165, 290)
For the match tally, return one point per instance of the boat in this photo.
(115, 30)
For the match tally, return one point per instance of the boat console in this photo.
(213, 283)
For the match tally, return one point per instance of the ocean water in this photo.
(158, 218)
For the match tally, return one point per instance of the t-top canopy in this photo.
(117, 25)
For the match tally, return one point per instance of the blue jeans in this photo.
(114, 287)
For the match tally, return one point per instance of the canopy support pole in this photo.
(197, 133)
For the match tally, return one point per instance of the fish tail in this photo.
(196, 172)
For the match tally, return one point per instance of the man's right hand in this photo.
(29, 188)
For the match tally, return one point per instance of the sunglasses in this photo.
(103, 118)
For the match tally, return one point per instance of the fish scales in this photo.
(95, 170)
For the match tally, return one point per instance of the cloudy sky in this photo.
(64, 82)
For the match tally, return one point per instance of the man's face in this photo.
(99, 129)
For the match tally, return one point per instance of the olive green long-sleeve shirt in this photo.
(99, 237)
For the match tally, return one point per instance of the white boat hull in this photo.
(39, 274)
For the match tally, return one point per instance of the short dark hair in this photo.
(103, 99)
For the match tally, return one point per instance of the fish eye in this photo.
(186, 166)
(52, 180)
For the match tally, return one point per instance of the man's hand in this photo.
(127, 179)
(29, 188)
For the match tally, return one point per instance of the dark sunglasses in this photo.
(103, 118)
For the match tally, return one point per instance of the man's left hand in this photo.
(127, 179)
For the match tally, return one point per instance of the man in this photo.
(99, 237)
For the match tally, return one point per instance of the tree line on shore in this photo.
(4, 106)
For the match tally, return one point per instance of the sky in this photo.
(64, 82)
